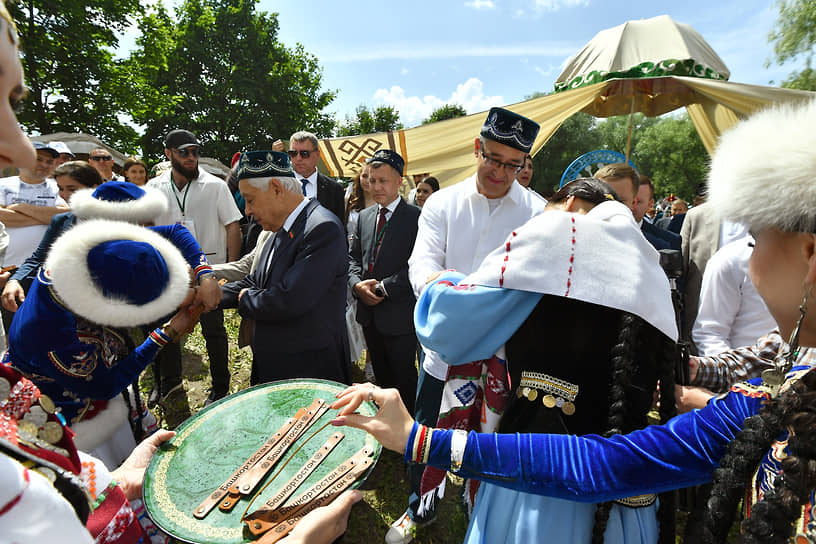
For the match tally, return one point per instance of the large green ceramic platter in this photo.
(212, 444)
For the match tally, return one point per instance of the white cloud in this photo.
(480, 4)
(555, 5)
(404, 71)
(413, 109)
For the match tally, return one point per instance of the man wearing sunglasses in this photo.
(458, 227)
(102, 160)
(305, 154)
(202, 203)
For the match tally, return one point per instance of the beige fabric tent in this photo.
(603, 79)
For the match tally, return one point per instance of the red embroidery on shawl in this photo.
(571, 259)
(13, 502)
(506, 258)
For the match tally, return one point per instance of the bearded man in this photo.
(202, 203)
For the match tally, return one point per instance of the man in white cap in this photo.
(65, 153)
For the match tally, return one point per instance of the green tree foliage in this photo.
(671, 153)
(365, 121)
(576, 136)
(217, 69)
(667, 149)
(794, 37)
(74, 84)
(444, 112)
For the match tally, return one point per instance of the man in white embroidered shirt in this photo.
(458, 227)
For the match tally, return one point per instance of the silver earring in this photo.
(775, 377)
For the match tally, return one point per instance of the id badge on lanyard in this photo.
(190, 224)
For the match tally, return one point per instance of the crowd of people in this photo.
(517, 341)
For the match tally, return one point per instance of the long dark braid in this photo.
(772, 518)
(623, 367)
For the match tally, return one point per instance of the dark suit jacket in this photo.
(395, 314)
(298, 302)
(331, 195)
(660, 238)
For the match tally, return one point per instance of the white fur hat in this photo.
(117, 274)
(763, 172)
(120, 201)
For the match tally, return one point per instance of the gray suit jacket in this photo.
(701, 238)
(238, 270)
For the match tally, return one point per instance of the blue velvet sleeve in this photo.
(681, 453)
(186, 243)
(465, 324)
(104, 382)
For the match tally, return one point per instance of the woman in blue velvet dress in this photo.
(757, 443)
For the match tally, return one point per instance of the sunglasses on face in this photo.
(194, 151)
(304, 153)
(101, 158)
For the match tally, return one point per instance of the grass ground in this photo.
(385, 494)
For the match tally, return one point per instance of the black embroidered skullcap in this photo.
(388, 157)
(510, 128)
(264, 164)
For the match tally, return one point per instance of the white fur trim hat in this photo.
(120, 201)
(762, 172)
(117, 274)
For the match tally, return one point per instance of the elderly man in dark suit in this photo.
(378, 277)
(297, 293)
(305, 154)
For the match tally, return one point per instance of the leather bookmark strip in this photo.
(264, 519)
(291, 486)
(327, 497)
(209, 503)
(250, 479)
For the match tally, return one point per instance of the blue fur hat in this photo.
(121, 201)
(117, 274)
(264, 164)
(510, 128)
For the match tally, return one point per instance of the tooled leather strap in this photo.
(291, 486)
(323, 492)
(209, 503)
(251, 478)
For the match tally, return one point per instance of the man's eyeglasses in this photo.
(101, 158)
(509, 168)
(304, 153)
(194, 151)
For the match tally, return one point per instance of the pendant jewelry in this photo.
(548, 401)
(51, 432)
(47, 404)
(775, 377)
(532, 395)
(568, 408)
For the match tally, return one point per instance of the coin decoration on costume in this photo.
(557, 393)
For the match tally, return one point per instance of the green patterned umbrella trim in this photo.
(644, 70)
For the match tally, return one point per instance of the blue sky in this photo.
(420, 54)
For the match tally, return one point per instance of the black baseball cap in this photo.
(180, 139)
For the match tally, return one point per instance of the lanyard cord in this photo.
(181, 203)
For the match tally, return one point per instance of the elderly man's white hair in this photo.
(288, 183)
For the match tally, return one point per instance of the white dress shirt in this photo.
(457, 231)
(311, 186)
(731, 313)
